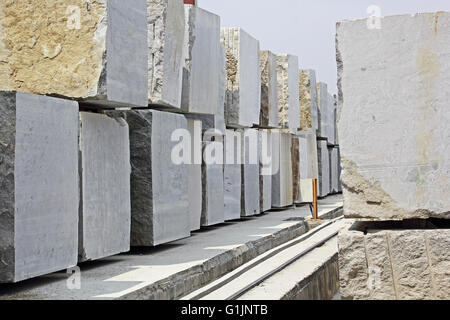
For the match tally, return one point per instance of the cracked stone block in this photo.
(202, 92)
(265, 169)
(308, 165)
(39, 193)
(332, 120)
(393, 133)
(323, 159)
(232, 175)
(195, 188)
(394, 262)
(334, 170)
(91, 51)
(250, 173)
(243, 94)
(309, 111)
(105, 207)
(269, 90)
(288, 92)
(159, 178)
(166, 52)
(282, 184)
(213, 211)
(323, 105)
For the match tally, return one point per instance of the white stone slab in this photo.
(332, 120)
(282, 183)
(265, 169)
(203, 62)
(159, 182)
(243, 95)
(250, 173)
(309, 169)
(94, 51)
(309, 112)
(334, 170)
(324, 168)
(232, 175)
(288, 92)
(166, 32)
(39, 193)
(269, 90)
(105, 208)
(393, 127)
(195, 173)
(322, 103)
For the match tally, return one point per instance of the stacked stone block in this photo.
(288, 92)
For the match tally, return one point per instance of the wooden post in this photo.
(315, 208)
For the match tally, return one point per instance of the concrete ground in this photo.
(130, 275)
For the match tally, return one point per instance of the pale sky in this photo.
(306, 28)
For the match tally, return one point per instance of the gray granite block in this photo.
(250, 173)
(232, 175)
(265, 169)
(324, 168)
(288, 92)
(195, 173)
(269, 90)
(282, 183)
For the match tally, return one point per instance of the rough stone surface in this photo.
(309, 112)
(243, 95)
(334, 170)
(323, 105)
(166, 32)
(105, 208)
(100, 59)
(265, 169)
(250, 205)
(324, 168)
(282, 184)
(38, 185)
(393, 133)
(269, 90)
(309, 169)
(288, 92)
(203, 65)
(232, 175)
(295, 152)
(195, 174)
(394, 264)
(159, 187)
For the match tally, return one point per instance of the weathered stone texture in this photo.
(203, 65)
(243, 95)
(105, 209)
(232, 175)
(309, 116)
(39, 185)
(282, 184)
(93, 50)
(159, 186)
(288, 92)
(394, 264)
(269, 90)
(393, 133)
(250, 173)
(322, 103)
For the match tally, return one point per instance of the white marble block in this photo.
(250, 172)
(203, 62)
(243, 95)
(393, 126)
(265, 169)
(288, 92)
(282, 183)
(195, 173)
(232, 175)
(269, 90)
(105, 208)
(309, 167)
(166, 52)
(159, 178)
(309, 111)
(332, 120)
(334, 170)
(322, 103)
(324, 168)
(94, 51)
(39, 191)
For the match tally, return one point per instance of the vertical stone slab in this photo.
(232, 175)
(243, 95)
(295, 152)
(95, 51)
(334, 170)
(288, 92)
(309, 169)
(269, 90)
(195, 187)
(203, 65)
(39, 194)
(397, 166)
(282, 184)
(324, 168)
(159, 179)
(105, 208)
(332, 120)
(265, 170)
(250, 205)
(322, 103)
(166, 32)
(309, 111)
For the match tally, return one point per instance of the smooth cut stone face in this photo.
(324, 168)
(269, 90)
(288, 92)
(334, 170)
(202, 68)
(265, 169)
(332, 120)
(308, 165)
(250, 173)
(95, 51)
(322, 103)
(243, 95)
(309, 112)
(166, 32)
(282, 184)
(105, 213)
(195, 173)
(393, 128)
(232, 175)
(39, 180)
